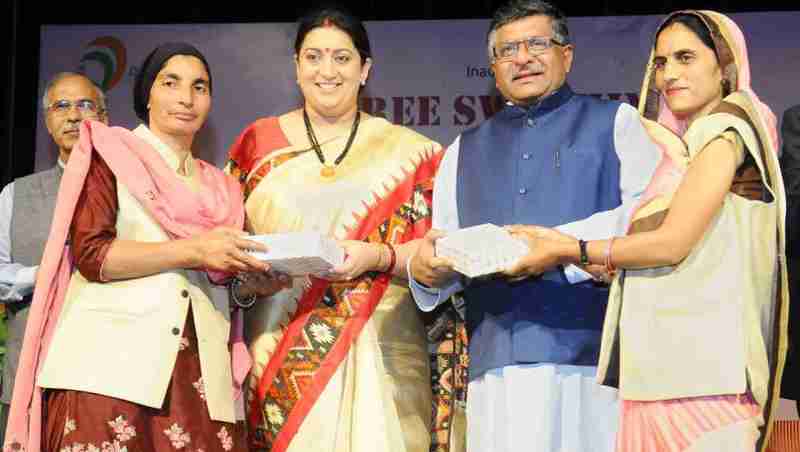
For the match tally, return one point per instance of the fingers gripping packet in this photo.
(299, 253)
(481, 250)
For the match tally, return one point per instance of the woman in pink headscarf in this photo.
(695, 332)
(131, 351)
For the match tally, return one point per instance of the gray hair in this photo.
(520, 9)
(54, 80)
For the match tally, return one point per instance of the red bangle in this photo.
(392, 258)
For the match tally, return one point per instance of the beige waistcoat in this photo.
(705, 326)
(121, 338)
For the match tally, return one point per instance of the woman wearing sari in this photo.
(132, 349)
(340, 364)
(695, 331)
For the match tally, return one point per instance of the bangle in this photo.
(610, 269)
(392, 258)
(381, 257)
(233, 288)
(584, 255)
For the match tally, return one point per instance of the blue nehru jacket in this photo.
(548, 165)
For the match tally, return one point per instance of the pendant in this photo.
(327, 171)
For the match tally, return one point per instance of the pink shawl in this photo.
(730, 42)
(179, 210)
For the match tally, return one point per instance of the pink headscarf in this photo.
(179, 210)
(732, 49)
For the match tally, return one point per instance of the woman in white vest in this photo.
(695, 332)
(139, 358)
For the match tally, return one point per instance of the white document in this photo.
(481, 250)
(299, 253)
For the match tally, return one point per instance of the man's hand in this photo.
(598, 272)
(428, 269)
(748, 185)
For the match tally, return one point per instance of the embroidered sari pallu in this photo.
(342, 366)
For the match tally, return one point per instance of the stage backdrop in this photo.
(432, 76)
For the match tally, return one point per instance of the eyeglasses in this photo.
(85, 107)
(535, 45)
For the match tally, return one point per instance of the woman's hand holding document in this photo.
(299, 253)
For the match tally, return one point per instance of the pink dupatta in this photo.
(669, 174)
(180, 211)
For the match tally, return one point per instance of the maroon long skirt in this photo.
(78, 421)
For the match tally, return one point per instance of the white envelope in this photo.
(299, 253)
(481, 250)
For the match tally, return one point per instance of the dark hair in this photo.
(339, 18)
(152, 66)
(693, 23)
(519, 9)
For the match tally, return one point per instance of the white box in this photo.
(481, 250)
(299, 253)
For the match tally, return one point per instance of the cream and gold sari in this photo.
(350, 371)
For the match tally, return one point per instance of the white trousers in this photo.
(541, 408)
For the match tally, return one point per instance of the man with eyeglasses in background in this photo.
(26, 211)
(550, 157)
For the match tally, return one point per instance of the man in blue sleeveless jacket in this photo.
(553, 158)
